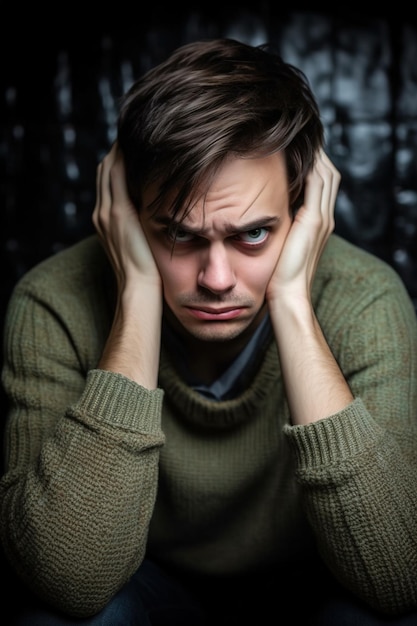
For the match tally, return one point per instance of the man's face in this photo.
(225, 250)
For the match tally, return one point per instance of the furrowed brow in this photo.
(260, 222)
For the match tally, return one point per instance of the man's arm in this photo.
(353, 420)
(82, 441)
(133, 346)
(315, 386)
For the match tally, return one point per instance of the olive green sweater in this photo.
(100, 470)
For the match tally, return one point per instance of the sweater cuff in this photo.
(335, 438)
(118, 401)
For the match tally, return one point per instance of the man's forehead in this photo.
(238, 184)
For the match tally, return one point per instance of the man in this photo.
(213, 403)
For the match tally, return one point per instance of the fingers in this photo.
(103, 169)
(331, 180)
(111, 191)
(321, 190)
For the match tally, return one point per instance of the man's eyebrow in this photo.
(261, 222)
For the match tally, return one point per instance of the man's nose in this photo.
(216, 272)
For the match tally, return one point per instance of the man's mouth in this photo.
(215, 313)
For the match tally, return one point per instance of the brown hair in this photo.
(209, 100)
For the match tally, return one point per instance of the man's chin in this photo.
(213, 334)
(221, 332)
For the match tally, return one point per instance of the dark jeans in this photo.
(153, 598)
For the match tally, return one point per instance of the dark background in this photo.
(62, 76)
(59, 98)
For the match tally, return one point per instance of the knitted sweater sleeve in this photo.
(81, 453)
(358, 468)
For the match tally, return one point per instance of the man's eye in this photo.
(181, 236)
(254, 236)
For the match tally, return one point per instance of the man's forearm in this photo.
(133, 345)
(314, 383)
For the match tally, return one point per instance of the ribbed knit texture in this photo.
(99, 469)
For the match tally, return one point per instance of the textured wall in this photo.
(59, 95)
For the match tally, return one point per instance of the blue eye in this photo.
(181, 236)
(254, 236)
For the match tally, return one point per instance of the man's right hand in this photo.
(132, 347)
(117, 224)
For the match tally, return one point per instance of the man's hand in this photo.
(307, 237)
(133, 345)
(117, 223)
(315, 385)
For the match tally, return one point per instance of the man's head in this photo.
(209, 100)
(217, 142)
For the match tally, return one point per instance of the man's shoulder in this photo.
(342, 257)
(350, 274)
(80, 263)
(87, 249)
